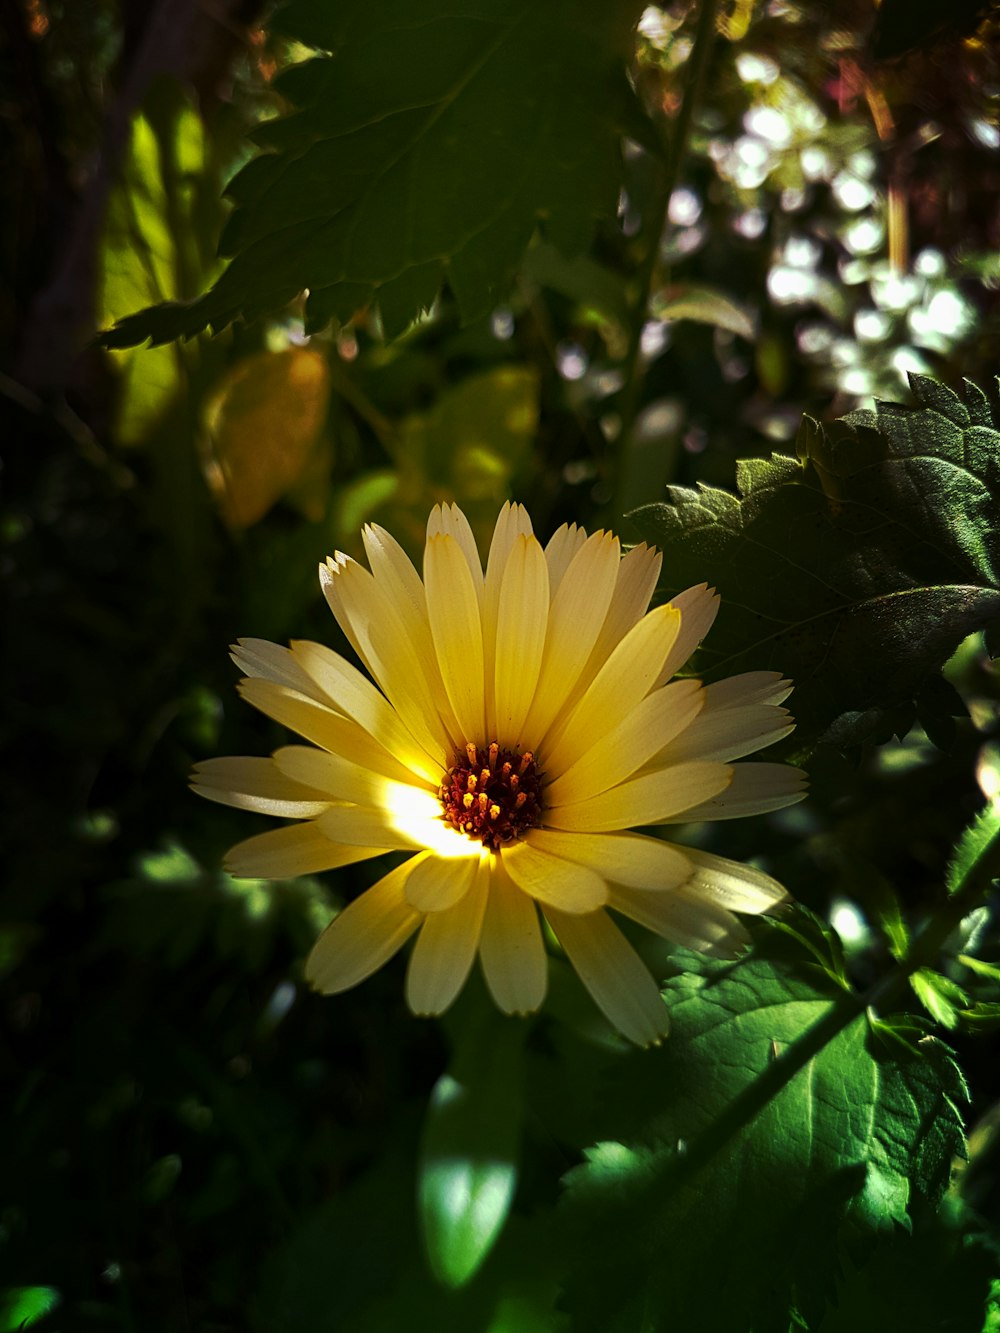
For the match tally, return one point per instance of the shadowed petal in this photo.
(366, 933)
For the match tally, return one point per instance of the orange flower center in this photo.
(492, 794)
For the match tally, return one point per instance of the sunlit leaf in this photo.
(940, 996)
(23, 1307)
(973, 845)
(264, 429)
(855, 568)
(149, 250)
(704, 305)
(858, 1140)
(420, 153)
(469, 1160)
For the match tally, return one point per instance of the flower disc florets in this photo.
(492, 794)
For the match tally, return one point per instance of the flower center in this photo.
(492, 794)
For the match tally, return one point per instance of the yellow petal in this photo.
(386, 646)
(269, 661)
(577, 610)
(445, 949)
(353, 694)
(625, 678)
(683, 920)
(456, 628)
(511, 950)
(728, 733)
(346, 781)
(755, 789)
(298, 849)
(638, 571)
(522, 618)
(649, 799)
(641, 733)
(367, 826)
(731, 884)
(438, 884)
(698, 607)
(562, 546)
(615, 975)
(568, 885)
(749, 687)
(366, 933)
(512, 522)
(252, 783)
(625, 858)
(321, 725)
(449, 520)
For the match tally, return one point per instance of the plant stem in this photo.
(675, 147)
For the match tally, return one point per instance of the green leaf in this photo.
(22, 1307)
(469, 1158)
(420, 152)
(940, 996)
(705, 305)
(859, 1140)
(979, 966)
(929, 1282)
(972, 846)
(856, 568)
(148, 250)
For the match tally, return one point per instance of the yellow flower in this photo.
(522, 720)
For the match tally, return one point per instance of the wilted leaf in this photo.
(264, 439)
(421, 152)
(856, 568)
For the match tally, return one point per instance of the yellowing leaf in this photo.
(264, 434)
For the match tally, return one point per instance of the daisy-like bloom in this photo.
(514, 725)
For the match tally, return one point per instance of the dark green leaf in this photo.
(422, 150)
(856, 568)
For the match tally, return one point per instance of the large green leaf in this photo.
(856, 568)
(853, 1146)
(427, 145)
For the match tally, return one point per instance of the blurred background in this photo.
(191, 1135)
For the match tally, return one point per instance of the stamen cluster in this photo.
(493, 794)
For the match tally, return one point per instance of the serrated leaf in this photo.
(940, 996)
(860, 1136)
(980, 966)
(469, 1157)
(420, 151)
(973, 845)
(856, 568)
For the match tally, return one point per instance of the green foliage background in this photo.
(731, 273)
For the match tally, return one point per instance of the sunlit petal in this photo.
(456, 628)
(446, 948)
(627, 858)
(698, 607)
(297, 849)
(650, 799)
(252, 783)
(682, 920)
